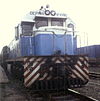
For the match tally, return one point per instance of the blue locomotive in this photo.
(43, 53)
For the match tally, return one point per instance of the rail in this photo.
(80, 96)
(94, 62)
(68, 95)
(94, 75)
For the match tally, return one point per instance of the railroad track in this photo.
(94, 75)
(75, 96)
(67, 95)
(96, 84)
(80, 96)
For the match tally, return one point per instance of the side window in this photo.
(16, 33)
(27, 28)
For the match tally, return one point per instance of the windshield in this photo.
(56, 22)
(40, 22)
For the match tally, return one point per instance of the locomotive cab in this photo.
(52, 33)
(45, 28)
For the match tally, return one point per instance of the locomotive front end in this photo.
(56, 72)
(54, 65)
(43, 53)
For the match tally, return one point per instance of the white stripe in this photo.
(39, 59)
(42, 32)
(73, 76)
(28, 62)
(71, 71)
(62, 59)
(51, 68)
(86, 63)
(79, 63)
(25, 59)
(86, 58)
(33, 72)
(85, 75)
(33, 80)
(49, 77)
(26, 65)
(78, 74)
(43, 76)
(86, 70)
(81, 58)
(28, 70)
(53, 58)
(32, 59)
(57, 61)
(34, 64)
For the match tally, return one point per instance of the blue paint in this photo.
(43, 45)
(48, 44)
(27, 46)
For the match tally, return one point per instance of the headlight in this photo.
(53, 13)
(47, 12)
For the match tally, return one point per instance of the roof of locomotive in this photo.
(43, 12)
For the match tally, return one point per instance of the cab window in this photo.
(40, 22)
(56, 22)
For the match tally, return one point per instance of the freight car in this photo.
(93, 52)
(43, 52)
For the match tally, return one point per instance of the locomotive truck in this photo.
(43, 52)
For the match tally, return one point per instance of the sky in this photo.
(84, 13)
